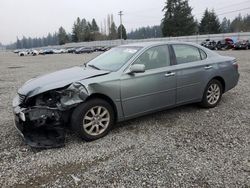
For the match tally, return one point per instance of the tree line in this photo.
(82, 31)
(177, 21)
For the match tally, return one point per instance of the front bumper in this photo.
(36, 134)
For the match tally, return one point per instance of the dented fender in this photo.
(73, 95)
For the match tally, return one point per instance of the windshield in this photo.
(113, 59)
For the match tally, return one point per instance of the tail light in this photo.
(235, 64)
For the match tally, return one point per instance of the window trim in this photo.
(200, 50)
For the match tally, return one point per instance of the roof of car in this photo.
(151, 44)
(148, 44)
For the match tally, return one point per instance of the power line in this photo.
(233, 11)
(235, 4)
(221, 8)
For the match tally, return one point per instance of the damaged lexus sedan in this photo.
(124, 83)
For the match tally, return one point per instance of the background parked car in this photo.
(243, 44)
(47, 51)
(84, 50)
(16, 51)
(71, 50)
(23, 53)
(34, 52)
(59, 51)
(209, 44)
(225, 44)
(101, 49)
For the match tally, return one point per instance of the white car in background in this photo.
(23, 53)
(34, 52)
(28, 52)
(59, 51)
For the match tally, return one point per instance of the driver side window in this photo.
(155, 57)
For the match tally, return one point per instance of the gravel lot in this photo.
(182, 147)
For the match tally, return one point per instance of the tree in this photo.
(94, 26)
(225, 25)
(210, 23)
(113, 32)
(18, 44)
(122, 29)
(146, 32)
(240, 24)
(178, 19)
(62, 36)
(76, 31)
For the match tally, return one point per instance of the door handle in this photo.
(170, 74)
(208, 67)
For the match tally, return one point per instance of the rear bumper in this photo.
(38, 136)
(233, 82)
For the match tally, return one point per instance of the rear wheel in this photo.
(212, 94)
(93, 119)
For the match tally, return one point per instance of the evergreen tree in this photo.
(62, 36)
(25, 42)
(122, 29)
(146, 32)
(178, 19)
(113, 32)
(87, 34)
(18, 44)
(76, 31)
(225, 25)
(94, 26)
(50, 38)
(246, 21)
(240, 24)
(210, 23)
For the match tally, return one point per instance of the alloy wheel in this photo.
(213, 94)
(96, 120)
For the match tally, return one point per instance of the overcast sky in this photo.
(36, 18)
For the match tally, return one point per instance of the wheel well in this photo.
(107, 99)
(222, 81)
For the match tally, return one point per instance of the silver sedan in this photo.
(125, 82)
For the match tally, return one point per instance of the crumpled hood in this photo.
(58, 79)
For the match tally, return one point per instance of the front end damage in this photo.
(42, 119)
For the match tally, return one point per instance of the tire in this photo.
(84, 115)
(214, 90)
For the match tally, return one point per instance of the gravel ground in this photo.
(183, 147)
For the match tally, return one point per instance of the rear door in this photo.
(192, 68)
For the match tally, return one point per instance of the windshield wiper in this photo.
(93, 66)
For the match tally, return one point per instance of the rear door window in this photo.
(187, 53)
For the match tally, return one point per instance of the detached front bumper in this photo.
(40, 131)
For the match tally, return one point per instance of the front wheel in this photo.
(212, 94)
(93, 119)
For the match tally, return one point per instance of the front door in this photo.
(152, 90)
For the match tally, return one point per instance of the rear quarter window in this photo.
(203, 54)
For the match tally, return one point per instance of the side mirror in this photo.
(137, 68)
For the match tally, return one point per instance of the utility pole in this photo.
(121, 14)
